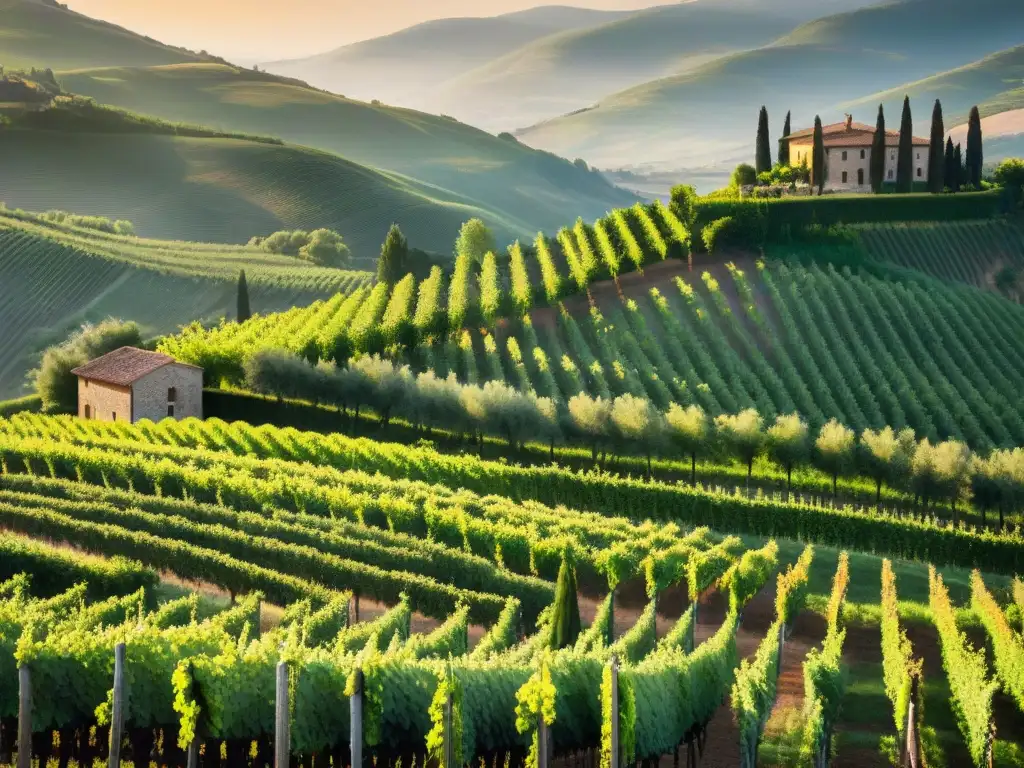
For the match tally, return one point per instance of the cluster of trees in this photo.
(99, 223)
(53, 380)
(324, 247)
(946, 471)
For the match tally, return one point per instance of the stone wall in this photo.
(106, 402)
(151, 393)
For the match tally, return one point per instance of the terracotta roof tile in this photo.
(124, 366)
(857, 135)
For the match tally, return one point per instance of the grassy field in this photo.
(53, 278)
(226, 190)
(517, 187)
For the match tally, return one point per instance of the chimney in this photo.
(849, 122)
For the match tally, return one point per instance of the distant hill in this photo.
(517, 188)
(204, 187)
(566, 71)
(399, 67)
(994, 83)
(38, 33)
(707, 117)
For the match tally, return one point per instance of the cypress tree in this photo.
(565, 618)
(949, 174)
(394, 257)
(905, 157)
(763, 154)
(958, 169)
(974, 152)
(818, 157)
(244, 312)
(936, 156)
(784, 145)
(877, 170)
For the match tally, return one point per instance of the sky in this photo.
(254, 30)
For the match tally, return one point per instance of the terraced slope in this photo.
(517, 187)
(53, 278)
(227, 191)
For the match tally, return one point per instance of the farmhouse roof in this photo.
(848, 134)
(124, 366)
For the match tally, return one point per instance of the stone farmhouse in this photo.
(130, 384)
(848, 154)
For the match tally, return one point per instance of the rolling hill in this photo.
(226, 190)
(707, 117)
(519, 187)
(42, 33)
(397, 68)
(53, 277)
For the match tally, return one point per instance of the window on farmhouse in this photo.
(919, 173)
(172, 394)
(170, 411)
(88, 411)
(862, 154)
(844, 177)
(890, 175)
(113, 416)
(844, 154)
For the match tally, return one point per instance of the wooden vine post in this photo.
(911, 757)
(449, 733)
(543, 746)
(615, 755)
(356, 721)
(117, 711)
(282, 721)
(24, 717)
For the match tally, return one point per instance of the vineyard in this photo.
(354, 572)
(55, 277)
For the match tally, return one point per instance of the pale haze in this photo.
(262, 31)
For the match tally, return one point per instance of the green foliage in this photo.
(99, 223)
(899, 668)
(322, 247)
(834, 449)
(792, 588)
(242, 311)
(818, 156)
(744, 175)
(502, 635)
(905, 153)
(53, 380)
(1010, 174)
(787, 441)
(459, 294)
(749, 574)
(565, 619)
(475, 241)
(490, 289)
(742, 435)
(535, 699)
(967, 672)
(753, 694)
(1007, 646)
(975, 159)
(393, 263)
(877, 163)
(936, 156)
(763, 152)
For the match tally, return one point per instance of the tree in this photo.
(936, 156)
(393, 264)
(877, 169)
(949, 174)
(1010, 175)
(905, 156)
(784, 145)
(565, 614)
(326, 249)
(742, 436)
(834, 450)
(744, 175)
(953, 472)
(788, 444)
(958, 163)
(475, 240)
(818, 157)
(637, 421)
(244, 312)
(885, 456)
(763, 150)
(591, 416)
(975, 158)
(53, 380)
(688, 428)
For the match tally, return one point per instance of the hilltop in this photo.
(203, 185)
(520, 187)
(37, 33)
(689, 119)
(400, 67)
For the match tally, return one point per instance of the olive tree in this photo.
(742, 436)
(788, 444)
(637, 421)
(591, 416)
(689, 429)
(885, 456)
(834, 451)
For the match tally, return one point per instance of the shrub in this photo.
(744, 175)
(53, 380)
(1010, 175)
(321, 246)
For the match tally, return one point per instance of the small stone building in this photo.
(848, 154)
(130, 384)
